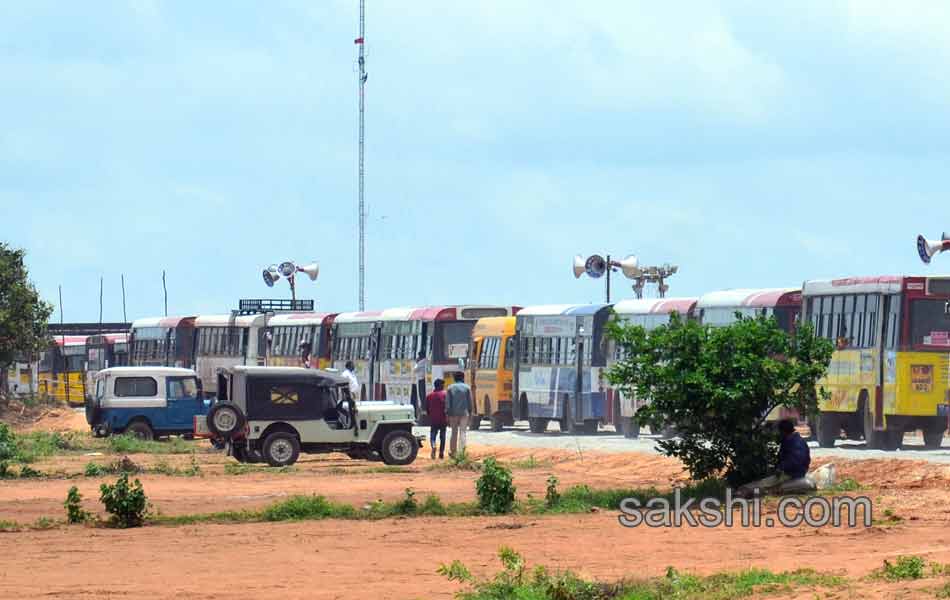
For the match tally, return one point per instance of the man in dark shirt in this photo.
(794, 457)
(790, 477)
(435, 407)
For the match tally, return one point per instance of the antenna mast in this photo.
(362, 213)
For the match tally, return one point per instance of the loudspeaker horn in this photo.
(927, 248)
(287, 268)
(630, 267)
(578, 266)
(595, 266)
(271, 276)
(312, 270)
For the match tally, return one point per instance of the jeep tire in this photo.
(225, 419)
(281, 449)
(399, 448)
(140, 430)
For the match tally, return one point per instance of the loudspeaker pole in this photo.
(609, 269)
(362, 206)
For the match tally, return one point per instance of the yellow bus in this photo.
(889, 372)
(61, 368)
(490, 367)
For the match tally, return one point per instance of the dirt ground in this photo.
(398, 558)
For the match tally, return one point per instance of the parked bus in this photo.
(289, 330)
(558, 373)
(162, 342)
(889, 372)
(104, 351)
(224, 341)
(60, 371)
(492, 360)
(355, 337)
(649, 314)
(401, 340)
(785, 304)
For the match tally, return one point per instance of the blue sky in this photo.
(753, 144)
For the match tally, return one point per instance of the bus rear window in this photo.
(930, 323)
(449, 335)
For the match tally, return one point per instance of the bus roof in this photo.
(159, 322)
(70, 340)
(887, 284)
(562, 309)
(753, 298)
(494, 326)
(359, 317)
(113, 338)
(301, 318)
(230, 321)
(468, 312)
(655, 306)
(398, 314)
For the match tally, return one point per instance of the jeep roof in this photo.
(320, 375)
(146, 371)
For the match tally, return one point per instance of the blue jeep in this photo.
(147, 402)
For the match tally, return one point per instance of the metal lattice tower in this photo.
(362, 207)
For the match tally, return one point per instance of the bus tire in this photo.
(631, 428)
(933, 436)
(474, 422)
(141, 430)
(873, 439)
(829, 429)
(894, 439)
(537, 424)
(497, 422)
(590, 426)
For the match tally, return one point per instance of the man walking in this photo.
(352, 382)
(435, 408)
(458, 407)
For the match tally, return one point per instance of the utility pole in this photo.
(124, 319)
(165, 292)
(360, 41)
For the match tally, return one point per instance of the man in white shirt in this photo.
(354, 384)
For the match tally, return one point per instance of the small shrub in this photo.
(44, 523)
(456, 572)
(551, 496)
(27, 472)
(408, 505)
(194, 469)
(298, 508)
(73, 504)
(433, 506)
(944, 592)
(127, 503)
(906, 567)
(496, 492)
(8, 443)
(94, 470)
(845, 485)
(5, 472)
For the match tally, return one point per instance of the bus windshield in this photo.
(930, 323)
(451, 340)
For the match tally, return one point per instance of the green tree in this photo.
(23, 314)
(717, 385)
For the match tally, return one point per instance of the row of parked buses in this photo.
(66, 369)
(889, 373)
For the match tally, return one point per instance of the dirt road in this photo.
(397, 558)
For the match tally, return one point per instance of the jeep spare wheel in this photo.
(281, 449)
(399, 448)
(225, 419)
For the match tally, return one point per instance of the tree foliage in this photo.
(717, 385)
(23, 314)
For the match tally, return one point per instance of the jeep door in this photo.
(184, 402)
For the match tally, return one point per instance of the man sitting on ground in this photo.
(794, 458)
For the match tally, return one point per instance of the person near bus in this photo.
(458, 406)
(791, 470)
(419, 370)
(352, 382)
(435, 408)
(305, 354)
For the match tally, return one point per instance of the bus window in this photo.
(509, 353)
(870, 330)
(930, 323)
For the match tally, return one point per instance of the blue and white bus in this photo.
(559, 372)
